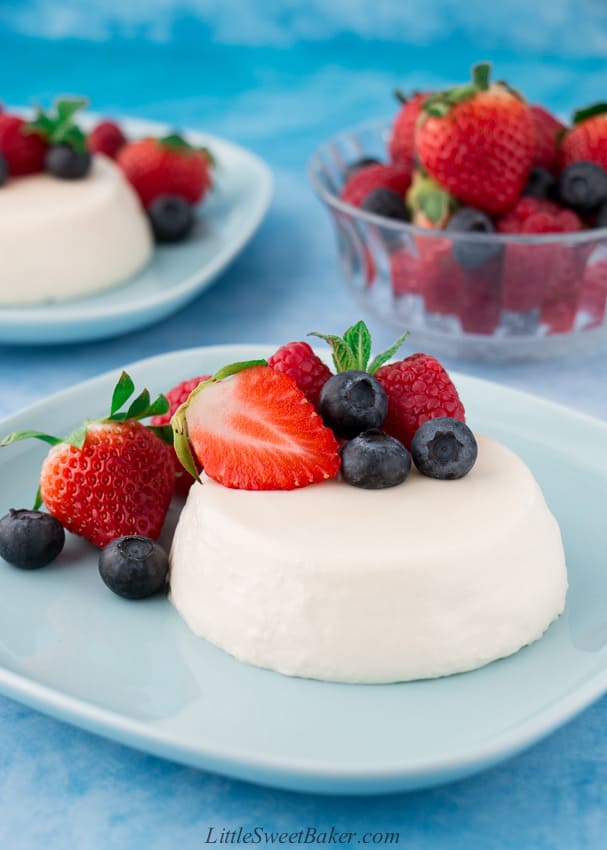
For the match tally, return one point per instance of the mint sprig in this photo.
(59, 127)
(353, 350)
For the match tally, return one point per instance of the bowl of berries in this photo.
(476, 220)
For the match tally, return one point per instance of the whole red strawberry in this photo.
(177, 396)
(23, 151)
(418, 389)
(307, 369)
(587, 139)
(371, 177)
(402, 140)
(112, 477)
(106, 138)
(548, 132)
(168, 166)
(252, 428)
(478, 142)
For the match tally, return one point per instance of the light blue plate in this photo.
(133, 672)
(228, 218)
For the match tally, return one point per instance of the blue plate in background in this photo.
(132, 671)
(228, 218)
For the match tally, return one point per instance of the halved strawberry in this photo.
(255, 430)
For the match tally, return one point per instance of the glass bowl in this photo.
(473, 296)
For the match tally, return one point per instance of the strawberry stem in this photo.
(480, 75)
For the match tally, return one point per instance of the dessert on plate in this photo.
(346, 526)
(80, 213)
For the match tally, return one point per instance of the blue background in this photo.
(279, 77)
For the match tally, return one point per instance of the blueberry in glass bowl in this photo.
(469, 292)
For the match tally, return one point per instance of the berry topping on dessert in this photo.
(418, 389)
(250, 427)
(111, 476)
(22, 148)
(67, 163)
(374, 460)
(172, 218)
(309, 372)
(134, 566)
(167, 166)
(30, 539)
(67, 156)
(444, 448)
(351, 402)
(107, 138)
(3, 170)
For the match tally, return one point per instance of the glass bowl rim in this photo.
(333, 201)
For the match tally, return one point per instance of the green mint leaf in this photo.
(16, 436)
(387, 354)
(343, 358)
(163, 432)
(233, 369)
(37, 500)
(139, 406)
(68, 107)
(123, 390)
(358, 339)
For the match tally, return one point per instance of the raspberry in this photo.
(23, 151)
(177, 396)
(307, 370)
(106, 138)
(534, 215)
(363, 181)
(418, 389)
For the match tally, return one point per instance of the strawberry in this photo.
(111, 477)
(251, 428)
(177, 396)
(168, 166)
(418, 389)
(548, 131)
(307, 369)
(107, 138)
(587, 139)
(478, 142)
(23, 151)
(402, 140)
(363, 181)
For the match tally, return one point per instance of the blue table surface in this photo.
(279, 83)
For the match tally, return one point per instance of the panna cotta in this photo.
(334, 582)
(61, 239)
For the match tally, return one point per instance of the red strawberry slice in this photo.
(257, 431)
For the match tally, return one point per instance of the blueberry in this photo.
(583, 186)
(171, 217)
(134, 566)
(601, 216)
(374, 460)
(363, 162)
(471, 255)
(3, 170)
(386, 202)
(66, 162)
(540, 184)
(444, 448)
(351, 402)
(30, 539)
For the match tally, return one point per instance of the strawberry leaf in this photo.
(16, 436)
(159, 406)
(343, 358)
(382, 358)
(77, 437)
(139, 406)
(358, 339)
(233, 369)
(589, 112)
(38, 500)
(163, 432)
(123, 390)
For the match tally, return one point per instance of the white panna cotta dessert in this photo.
(62, 239)
(334, 582)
